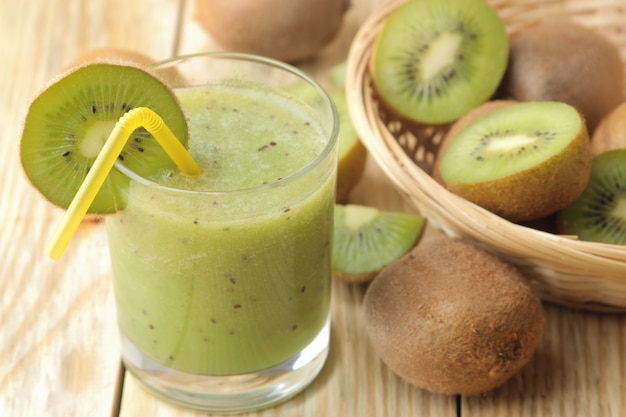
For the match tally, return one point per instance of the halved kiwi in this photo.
(599, 213)
(366, 239)
(521, 162)
(436, 60)
(68, 123)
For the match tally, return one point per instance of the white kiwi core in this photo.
(358, 216)
(510, 142)
(442, 53)
(95, 137)
(620, 209)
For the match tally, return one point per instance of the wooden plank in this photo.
(59, 345)
(579, 369)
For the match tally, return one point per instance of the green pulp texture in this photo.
(509, 140)
(230, 283)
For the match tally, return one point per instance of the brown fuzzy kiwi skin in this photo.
(559, 60)
(452, 318)
(537, 191)
(286, 30)
(611, 132)
(474, 114)
(355, 278)
(111, 54)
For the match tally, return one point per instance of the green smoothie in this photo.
(231, 275)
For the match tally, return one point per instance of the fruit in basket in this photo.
(283, 29)
(476, 113)
(453, 318)
(611, 132)
(366, 240)
(599, 214)
(68, 123)
(436, 60)
(521, 162)
(558, 60)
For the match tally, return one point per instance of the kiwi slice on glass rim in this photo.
(599, 213)
(69, 121)
(367, 239)
(521, 162)
(435, 60)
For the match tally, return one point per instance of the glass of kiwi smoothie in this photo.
(222, 283)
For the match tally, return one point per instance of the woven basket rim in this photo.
(592, 262)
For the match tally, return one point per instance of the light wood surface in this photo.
(59, 347)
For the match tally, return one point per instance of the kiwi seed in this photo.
(476, 113)
(599, 213)
(68, 123)
(436, 60)
(453, 318)
(366, 240)
(521, 162)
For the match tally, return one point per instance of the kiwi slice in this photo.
(522, 162)
(599, 213)
(366, 239)
(68, 123)
(436, 60)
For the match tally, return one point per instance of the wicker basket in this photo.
(562, 269)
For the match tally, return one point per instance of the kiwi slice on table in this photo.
(521, 162)
(366, 239)
(599, 213)
(436, 60)
(68, 123)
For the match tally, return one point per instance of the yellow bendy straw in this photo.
(127, 124)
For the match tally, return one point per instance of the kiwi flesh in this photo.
(453, 318)
(69, 121)
(367, 239)
(521, 162)
(435, 60)
(599, 213)
(559, 60)
(476, 113)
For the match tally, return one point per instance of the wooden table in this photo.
(59, 347)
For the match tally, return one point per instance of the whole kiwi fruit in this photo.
(611, 132)
(559, 60)
(453, 318)
(282, 29)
